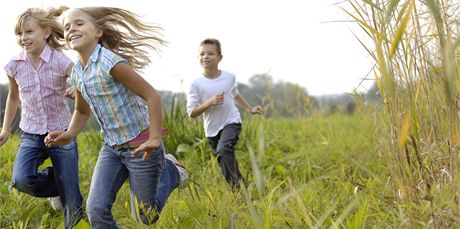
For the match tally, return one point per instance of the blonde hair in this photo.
(45, 18)
(129, 43)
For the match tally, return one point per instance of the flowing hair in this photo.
(125, 34)
(45, 18)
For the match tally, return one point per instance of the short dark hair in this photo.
(212, 41)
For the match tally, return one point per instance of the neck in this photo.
(211, 73)
(35, 58)
(85, 54)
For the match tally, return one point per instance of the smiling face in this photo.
(80, 33)
(209, 56)
(32, 37)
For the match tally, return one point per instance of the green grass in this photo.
(322, 171)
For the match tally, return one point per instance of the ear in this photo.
(99, 33)
(47, 33)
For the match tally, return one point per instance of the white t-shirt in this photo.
(216, 117)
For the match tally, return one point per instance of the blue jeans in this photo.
(151, 183)
(223, 146)
(59, 180)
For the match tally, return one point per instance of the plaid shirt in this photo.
(122, 114)
(41, 91)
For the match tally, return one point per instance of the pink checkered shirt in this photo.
(41, 91)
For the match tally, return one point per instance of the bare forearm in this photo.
(155, 116)
(213, 101)
(78, 122)
(10, 111)
(200, 109)
(80, 115)
(241, 102)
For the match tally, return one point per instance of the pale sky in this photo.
(299, 41)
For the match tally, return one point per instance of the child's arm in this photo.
(213, 101)
(80, 115)
(133, 81)
(12, 103)
(241, 102)
(70, 91)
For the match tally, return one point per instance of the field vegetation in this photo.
(391, 163)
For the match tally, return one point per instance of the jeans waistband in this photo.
(143, 137)
(35, 135)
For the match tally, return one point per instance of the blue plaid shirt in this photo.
(121, 113)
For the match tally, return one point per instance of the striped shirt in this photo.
(121, 114)
(41, 91)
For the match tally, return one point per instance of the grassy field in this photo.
(390, 166)
(323, 171)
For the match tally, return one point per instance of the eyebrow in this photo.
(74, 21)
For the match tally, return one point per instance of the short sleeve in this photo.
(11, 69)
(63, 61)
(72, 80)
(109, 59)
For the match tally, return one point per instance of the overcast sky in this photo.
(298, 41)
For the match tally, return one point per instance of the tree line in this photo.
(279, 99)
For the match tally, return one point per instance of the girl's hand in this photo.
(4, 136)
(149, 147)
(57, 138)
(70, 92)
(256, 110)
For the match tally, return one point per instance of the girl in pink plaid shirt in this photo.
(37, 82)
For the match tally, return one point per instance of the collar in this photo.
(45, 55)
(93, 57)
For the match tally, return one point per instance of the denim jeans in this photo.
(59, 180)
(223, 146)
(151, 183)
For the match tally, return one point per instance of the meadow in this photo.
(393, 163)
(321, 171)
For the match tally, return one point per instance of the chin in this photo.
(74, 47)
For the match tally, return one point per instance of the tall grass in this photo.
(302, 173)
(415, 45)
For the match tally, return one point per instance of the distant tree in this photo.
(350, 106)
(261, 86)
(330, 104)
(373, 94)
(169, 99)
(280, 99)
(3, 96)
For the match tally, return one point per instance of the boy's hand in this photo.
(4, 136)
(216, 100)
(256, 110)
(57, 138)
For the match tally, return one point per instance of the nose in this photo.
(23, 36)
(69, 29)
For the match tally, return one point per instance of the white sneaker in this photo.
(183, 173)
(56, 203)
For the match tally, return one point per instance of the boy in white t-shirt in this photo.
(214, 95)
